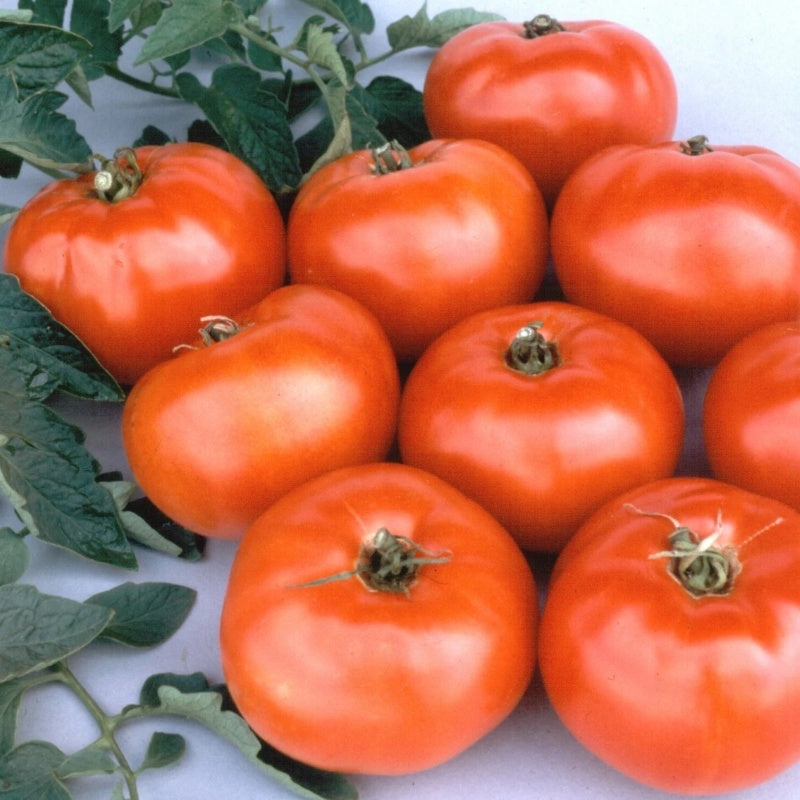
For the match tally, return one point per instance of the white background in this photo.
(738, 77)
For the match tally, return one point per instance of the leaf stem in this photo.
(307, 65)
(371, 61)
(282, 52)
(138, 83)
(104, 723)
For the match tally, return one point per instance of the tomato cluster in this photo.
(387, 409)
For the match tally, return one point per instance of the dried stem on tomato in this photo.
(390, 157)
(542, 25)
(530, 352)
(386, 563)
(696, 146)
(118, 177)
(701, 567)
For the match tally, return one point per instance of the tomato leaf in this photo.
(164, 749)
(191, 697)
(145, 614)
(186, 683)
(49, 478)
(7, 213)
(251, 120)
(185, 24)
(121, 10)
(356, 16)
(21, 15)
(37, 630)
(79, 83)
(91, 760)
(89, 18)
(10, 696)
(424, 31)
(48, 12)
(355, 129)
(13, 556)
(144, 14)
(173, 539)
(10, 166)
(264, 59)
(29, 771)
(30, 336)
(396, 106)
(45, 470)
(152, 135)
(33, 129)
(321, 49)
(38, 57)
(162, 535)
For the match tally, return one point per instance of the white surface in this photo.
(738, 81)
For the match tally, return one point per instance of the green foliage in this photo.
(191, 697)
(258, 80)
(36, 630)
(46, 471)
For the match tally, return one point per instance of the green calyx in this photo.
(390, 157)
(696, 146)
(118, 177)
(530, 353)
(386, 563)
(699, 565)
(542, 25)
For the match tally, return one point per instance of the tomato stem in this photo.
(386, 563)
(529, 352)
(390, 157)
(698, 565)
(218, 329)
(696, 146)
(118, 177)
(542, 25)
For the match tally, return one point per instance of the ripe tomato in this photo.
(690, 690)
(419, 237)
(550, 93)
(193, 232)
(751, 414)
(541, 424)
(693, 246)
(307, 384)
(377, 621)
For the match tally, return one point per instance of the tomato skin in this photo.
(426, 245)
(552, 100)
(751, 414)
(541, 452)
(218, 433)
(201, 235)
(692, 695)
(361, 681)
(693, 251)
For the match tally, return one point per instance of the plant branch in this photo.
(307, 65)
(371, 61)
(104, 723)
(138, 83)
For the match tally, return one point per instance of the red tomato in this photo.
(671, 654)
(420, 238)
(543, 425)
(751, 414)
(692, 246)
(200, 234)
(307, 384)
(550, 93)
(420, 642)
